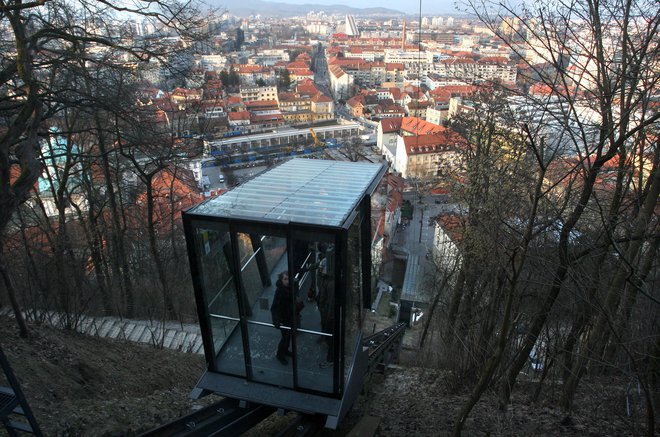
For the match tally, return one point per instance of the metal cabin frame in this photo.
(236, 243)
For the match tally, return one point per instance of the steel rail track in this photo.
(229, 417)
(223, 418)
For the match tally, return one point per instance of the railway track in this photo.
(227, 417)
(230, 417)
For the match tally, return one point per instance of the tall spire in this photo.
(403, 37)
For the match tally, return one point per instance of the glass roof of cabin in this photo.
(311, 191)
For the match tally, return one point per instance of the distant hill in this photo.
(244, 8)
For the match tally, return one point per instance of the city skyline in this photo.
(435, 7)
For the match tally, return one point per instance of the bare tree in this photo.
(353, 149)
(41, 40)
(596, 62)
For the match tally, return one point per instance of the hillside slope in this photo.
(84, 386)
(81, 385)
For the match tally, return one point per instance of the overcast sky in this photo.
(408, 6)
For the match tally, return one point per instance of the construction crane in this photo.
(317, 142)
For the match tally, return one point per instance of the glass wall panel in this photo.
(314, 284)
(263, 260)
(274, 249)
(353, 302)
(214, 257)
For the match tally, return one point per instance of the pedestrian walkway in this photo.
(185, 337)
(416, 240)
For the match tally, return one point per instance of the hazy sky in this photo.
(408, 6)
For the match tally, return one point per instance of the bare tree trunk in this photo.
(432, 308)
(94, 245)
(11, 292)
(623, 320)
(558, 281)
(33, 271)
(119, 258)
(596, 341)
(582, 319)
(455, 303)
(168, 305)
(490, 367)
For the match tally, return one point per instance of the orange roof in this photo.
(305, 73)
(453, 226)
(265, 118)
(186, 92)
(444, 93)
(394, 200)
(394, 66)
(458, 61)
(419, 104)
(234, 100)
(415, 125)
(174, 190)
(396, 181)
(261, 104)
(251, 69)
(433, 143)
(337, 71)
(355, 62)
(320, 98)
(494, 59)
(288, 97)
(306, 85)
(236, 116)
(391, 125)
(297, 65)
(355, 100)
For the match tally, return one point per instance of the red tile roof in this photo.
(321, 98)
(235, 116)
(391, 125)
(234, 100)
(415, 125)
(265, 118)
(261, 104)
(453, 225)
(433, 143)
(394, 66)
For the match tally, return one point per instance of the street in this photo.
(241, 173)
(416, 239)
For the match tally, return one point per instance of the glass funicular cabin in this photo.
(293, 345)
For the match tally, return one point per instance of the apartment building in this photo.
(251, 74)
(270, 57)
(184, 97)
(389, 130)
(437, 114)
(254, 93)
(213, 62)
(295, 108)
(408, 58)
(475, 71)
(307, 105)
(423, 156)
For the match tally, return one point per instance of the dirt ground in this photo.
(84, 386)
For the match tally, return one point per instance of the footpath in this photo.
(185, 337)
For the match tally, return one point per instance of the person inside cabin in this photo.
(282, 314)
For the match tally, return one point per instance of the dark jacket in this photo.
(281, 309)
